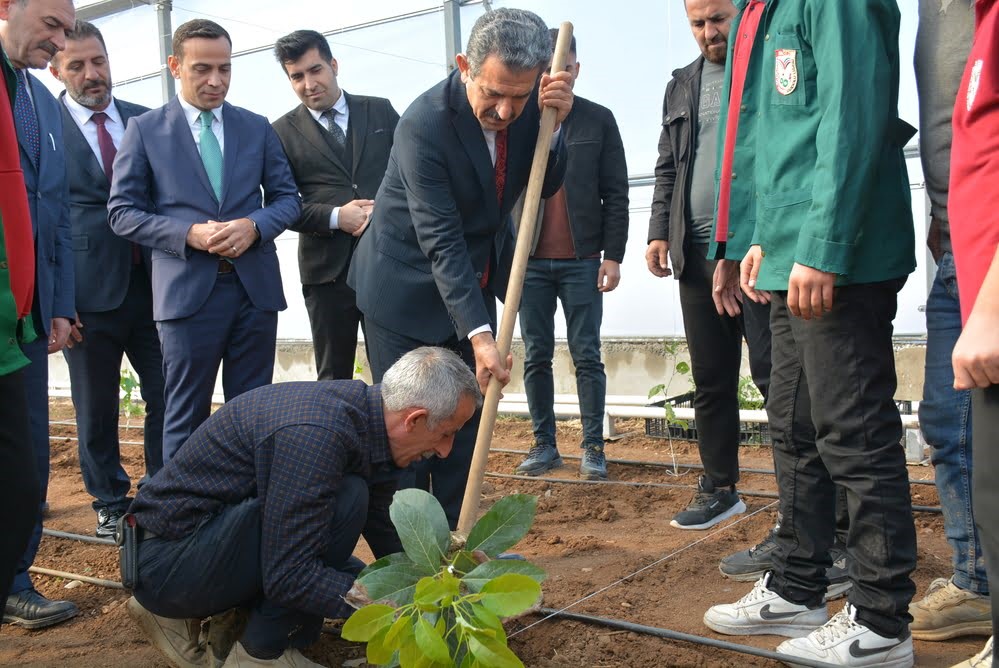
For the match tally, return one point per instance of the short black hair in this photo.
(554, 33)
(294, 45)
(81, 30)
(197, 29)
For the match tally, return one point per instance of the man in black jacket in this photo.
(588, 214)
(338, 146)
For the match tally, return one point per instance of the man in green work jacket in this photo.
(832, 244)
(19, 495)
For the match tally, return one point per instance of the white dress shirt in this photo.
(193, 115)
(84, 120)
(342, 118)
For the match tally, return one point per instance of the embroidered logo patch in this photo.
(786, 70)
(976, 76)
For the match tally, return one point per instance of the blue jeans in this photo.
(945, 418)
(574, 283)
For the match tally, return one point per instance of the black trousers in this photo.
(985, 492)
(837, 375)
(444, 478)
(19, 493)
(715, 345)
(334, 317)
(217, 567)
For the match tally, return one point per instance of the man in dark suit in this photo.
(31, 32)
(440, 243)
(187, 183)
(114, 299)
(338, 146)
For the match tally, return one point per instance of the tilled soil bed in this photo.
(591, 539)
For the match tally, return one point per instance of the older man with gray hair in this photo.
(438, 250)
(264, 504)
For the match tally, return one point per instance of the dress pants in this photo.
(228, 330)
(94, 371)
(985, 404)
(334, 318)
(444, 478)
(715, 345)
(838, 372)
(19, 492)
(217, 567)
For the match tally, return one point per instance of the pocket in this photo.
(678, 127)
(789, 83)
(780, 218)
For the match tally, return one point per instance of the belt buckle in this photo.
(226, 267)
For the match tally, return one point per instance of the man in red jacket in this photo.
(974, 216)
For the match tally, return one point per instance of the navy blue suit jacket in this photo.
(160, 189)
(48, 200)
(437, 224)
(103, 259)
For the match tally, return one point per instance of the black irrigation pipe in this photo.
(76, 536)
(657, 485)
(669, 465)
(684, 637)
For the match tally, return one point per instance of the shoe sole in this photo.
(737, 509)
(980, 628)
(900, 662)
(536, 471)
(839, 590)
(592, 476)
(744, 577)
(785, 630)
(34, 624)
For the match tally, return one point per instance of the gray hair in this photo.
(517, 37)
(434, 379)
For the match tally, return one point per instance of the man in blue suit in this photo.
(187, 183)
(114, 299)
(438, 250)
(32, 31)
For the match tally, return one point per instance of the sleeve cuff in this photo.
(480, 330)
(335, 218)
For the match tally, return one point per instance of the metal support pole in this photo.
(452, 32)
(164, 25)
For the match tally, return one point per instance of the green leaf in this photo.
(656, 389)
(395, 583)
(431, 642)
(411, 656)
(492, 652)
(504, 525)
(430, 591)
(400, 632)
(378, 652)
(476, 618)
(464, 562)
(422, 527)
(682, 367)
(477, 578)
(510, 594)
(390, 560)
(368, 621)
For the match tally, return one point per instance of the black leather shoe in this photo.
(107, 520)
(31, 610)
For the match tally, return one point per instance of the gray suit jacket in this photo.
(103, 260)
(325, 182)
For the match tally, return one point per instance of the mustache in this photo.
(49, 48)
(95, 83)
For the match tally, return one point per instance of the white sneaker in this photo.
(764, 612)
(845, 642)
(292, 658)
(981, 660)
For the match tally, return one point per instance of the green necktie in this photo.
(211, 154)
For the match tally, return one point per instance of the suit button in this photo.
(742, 108)
(478, 274)
(731, 235)
(767, 38)
(3, 265)
(763, 253)
(354, 186)
(733, 176)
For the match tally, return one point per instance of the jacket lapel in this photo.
(472, 140)
(230, 154)
(358, 127)
(310, 130)
(180, 131)
(76, 145)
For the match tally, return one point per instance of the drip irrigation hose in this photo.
(658, 485)
(110, 584)
(75, 536)
(685, 637)
(669, 465)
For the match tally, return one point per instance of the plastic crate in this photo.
(750, 433)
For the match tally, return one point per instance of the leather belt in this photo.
(226, 267)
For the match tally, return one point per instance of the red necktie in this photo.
(108, 152)
(500, 179)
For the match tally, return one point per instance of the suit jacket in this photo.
(161, 188)
(437, 224)
(103, 265)
(325, 182)
(48, 201)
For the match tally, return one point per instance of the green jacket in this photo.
(832, 188)
(11, 328)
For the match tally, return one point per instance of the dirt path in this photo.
(586, 537)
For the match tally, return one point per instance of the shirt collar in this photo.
(83, 114)
(381, 452)
(340, 106)
(193, 114)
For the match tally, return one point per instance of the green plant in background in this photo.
(679, 369)
(750, 398)
(128, 383)
(358, 369)
(442, 602)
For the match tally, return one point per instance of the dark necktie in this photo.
(24, 116)
(329, 116)
(499, 177)
(108, 152)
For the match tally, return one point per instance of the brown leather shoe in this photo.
(177, 639)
